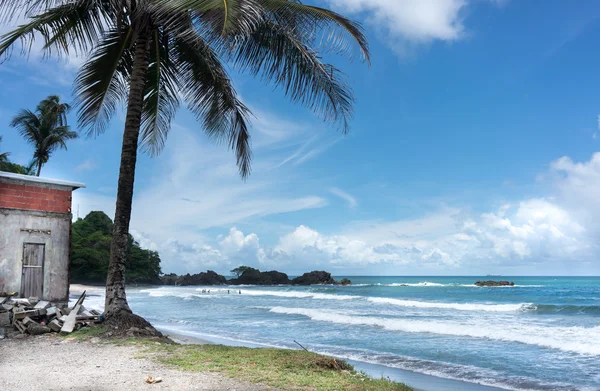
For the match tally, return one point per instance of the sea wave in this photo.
(459, 372)
(436, 284)
(214, 293)
(300, 295)
(454, 306)
(581, 340)
(563, 309)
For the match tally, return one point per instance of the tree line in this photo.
(90, 253)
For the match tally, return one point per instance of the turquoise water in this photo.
(542, 334)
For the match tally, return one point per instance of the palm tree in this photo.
(4, 155)
(46, 128)
(154, 54)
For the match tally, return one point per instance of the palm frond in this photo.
(28, 125)
(102, 81)
(276, 53)
(310, 21)
(58, 138)
(53, 111)
(223, 16)
(74, 26)
(10, 9)
(210, 95)
(161, 95)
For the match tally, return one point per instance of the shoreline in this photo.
(418, 381)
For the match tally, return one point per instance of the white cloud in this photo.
(536, 235)
(352, 203)
(409, 23)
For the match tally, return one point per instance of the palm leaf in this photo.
(209, 93)
(77, 26)
(101, 84)
(309, 20)
(28, 125)
(161, 102)
(279, 55)
(224, 16)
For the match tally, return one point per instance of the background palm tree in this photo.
(152, 54)
(46, 128)
(4, 155)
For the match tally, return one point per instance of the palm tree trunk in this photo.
(116, 301)
(39, 167)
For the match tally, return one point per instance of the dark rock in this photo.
(256, 277)
(314, 278)
(204, 278)
(494, 283)
(345, 281)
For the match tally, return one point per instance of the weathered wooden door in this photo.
(33, 270)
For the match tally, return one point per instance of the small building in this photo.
(35, 236)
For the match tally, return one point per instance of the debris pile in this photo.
(34, 316)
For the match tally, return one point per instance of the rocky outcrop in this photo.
(494, 283)
(256, 277)
(252, 276)
(314, 278)
(204, 278)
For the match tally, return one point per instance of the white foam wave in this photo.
(424, 283)
(300, 295)
(186, 294)
(452, 306)
(582, 340)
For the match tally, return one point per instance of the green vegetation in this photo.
(285, 369)
(86, 333)
(91, 239)
(8, 166)
(238, 271)
(46, 129)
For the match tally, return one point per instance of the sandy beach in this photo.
(53, 363)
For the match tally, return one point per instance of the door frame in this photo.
(43, 267)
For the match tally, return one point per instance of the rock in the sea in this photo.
(494, 283)
(314, 278)
(204, 278)
(345, 281)
(253, 276)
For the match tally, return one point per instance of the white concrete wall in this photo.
(56, 259)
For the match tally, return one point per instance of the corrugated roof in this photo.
(35, 179)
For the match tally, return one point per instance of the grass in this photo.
(285, 369)
(86, 333)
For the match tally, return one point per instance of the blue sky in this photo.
(472, 151)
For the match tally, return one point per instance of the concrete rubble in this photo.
(33, 316)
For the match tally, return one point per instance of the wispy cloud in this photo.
(86, 165)
(345, 196)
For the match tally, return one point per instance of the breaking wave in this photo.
(453, 306)
(582, 340)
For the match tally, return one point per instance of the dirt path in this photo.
(52, 363)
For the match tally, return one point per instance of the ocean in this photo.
(541, 334)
